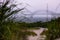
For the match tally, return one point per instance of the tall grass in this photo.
(53, 31)
(10, 30)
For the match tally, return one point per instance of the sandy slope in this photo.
(38, 32)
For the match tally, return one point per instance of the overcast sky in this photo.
(34, 5)
(41, 4)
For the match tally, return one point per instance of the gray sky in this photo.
(35, 5)
(41, 4)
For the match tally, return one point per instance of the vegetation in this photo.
(10, 30)
(53, 31)
(53, 27)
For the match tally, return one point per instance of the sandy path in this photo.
(38, 32)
